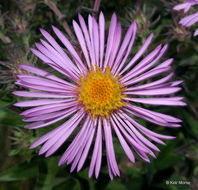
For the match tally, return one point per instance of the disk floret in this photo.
(100, 92)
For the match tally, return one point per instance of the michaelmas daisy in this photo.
(98, 94)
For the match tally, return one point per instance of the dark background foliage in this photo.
(21, 168)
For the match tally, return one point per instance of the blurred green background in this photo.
(23, 169)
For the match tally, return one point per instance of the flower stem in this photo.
(96, 6)
(138, 4)
(53, 7)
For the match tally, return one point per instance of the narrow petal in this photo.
(180, 6)
(189, 20)
(58, 48)
(151, 133)
(63, 136)
(86, 150)
(54, 58)
(109, 148)
(151, 117)
(52, 64)
(157, 101)
(196, 32)
(45, 137)
(45, 74)
(127, 123)
(150, 60)
(123, 143)
(66, 60)
(33, 103)
(47, 116)
(70, 48)
(81, 40)
(147, 75)
(52, 144)
(151, 84)
(90, 26)
(40, 124)
(28, 81)
(96, 156)
(96, 41)
(110, 40)
(141, 51)
(87, 37)
(166, 63)
(102, 36)
(48, 108)
(40, 94)
(74, 145)
(128, 41)
(116, 43)
(154, 92)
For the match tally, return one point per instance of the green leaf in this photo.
(84, 175)
(22, 171)
(47, 171)
(69, 183)
(115, 185)
(166, 158)
(192, 123)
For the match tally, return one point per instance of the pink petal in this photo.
(102, 36)
(87, 37)
(75, 146)
(196, 32)
(109, 47)
(33, 103)
(45, 74)
(86, 150)
(39, 94)
(151, 84)
(154, 92)
(109, 148)
(70, 48)
(128, 41)
(40, 124)
(81, 40)
(141, 51)
(116, 43)
(96, 40)
(157, 101)
(123, 143)
(147, 75)
(96, 156)
(48, 108)
(58, 48)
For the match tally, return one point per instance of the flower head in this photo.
(9, 70)
(143, 16)
(99, 92)
(190, 20)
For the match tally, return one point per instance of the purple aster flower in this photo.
(99, 93)
(191, 19)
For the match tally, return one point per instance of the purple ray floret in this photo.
(190, 20)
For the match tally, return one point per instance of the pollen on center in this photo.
(100, 92)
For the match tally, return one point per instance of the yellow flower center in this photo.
(100, 92)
